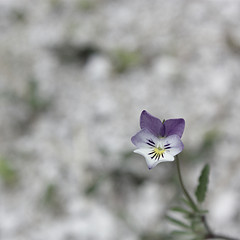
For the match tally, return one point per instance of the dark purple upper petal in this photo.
(151, 123)
(174, 126)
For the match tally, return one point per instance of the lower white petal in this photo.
(167, 157)
(151, 162)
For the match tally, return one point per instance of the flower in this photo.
(158, 141)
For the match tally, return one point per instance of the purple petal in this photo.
(144, 139)
(174, 126)
(151, 123)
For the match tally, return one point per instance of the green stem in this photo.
(210, 234)
(187, 195)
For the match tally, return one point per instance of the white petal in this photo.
(152, 162)
(144, 139)
(172, 144)
(167, 157)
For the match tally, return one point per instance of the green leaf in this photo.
(178, 222)
(203, 212)
(177, 232)
(186, 202)
(203, 183)
(181, 210)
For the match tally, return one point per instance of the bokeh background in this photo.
(74, 78)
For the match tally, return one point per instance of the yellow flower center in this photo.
(159, 151)
(156, 153)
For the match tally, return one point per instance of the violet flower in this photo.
(158, 141)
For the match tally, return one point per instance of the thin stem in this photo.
(211, 235)
(223, 237)
(194, 206)
(209, 231)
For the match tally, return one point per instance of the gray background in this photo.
(74, 78)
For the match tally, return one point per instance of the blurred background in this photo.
(74, 78)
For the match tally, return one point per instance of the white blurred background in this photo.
(74, 78)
